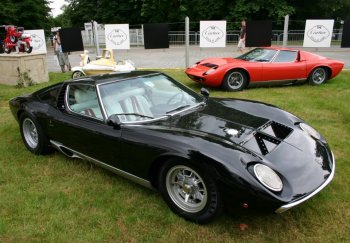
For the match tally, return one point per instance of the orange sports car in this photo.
(264, 66)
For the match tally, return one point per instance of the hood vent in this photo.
(210, 65)
(268, 137)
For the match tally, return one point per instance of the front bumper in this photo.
(303, 199)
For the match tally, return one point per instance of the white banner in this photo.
(318, 33)
(38, 41)
(212, 34)
(117, 36)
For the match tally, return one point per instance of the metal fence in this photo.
(177, 38)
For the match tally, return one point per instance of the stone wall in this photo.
(34, 64)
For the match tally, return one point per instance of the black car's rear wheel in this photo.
(235, 80)
(33, 135)
(318, 76)
(189, 192)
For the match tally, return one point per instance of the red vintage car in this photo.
(264, 66)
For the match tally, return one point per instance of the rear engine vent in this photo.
(61, 98)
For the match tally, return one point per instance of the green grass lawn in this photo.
(57, 199)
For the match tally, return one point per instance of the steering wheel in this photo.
(174, 96)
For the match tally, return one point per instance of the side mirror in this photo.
(114, 121)
(205, 92)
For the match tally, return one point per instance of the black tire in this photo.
(235, 80)
(189, 192)
(7, 49)
(33, 135)
(28, 48)
(318, 76)
(77, 74)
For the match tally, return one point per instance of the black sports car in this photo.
(199, 152)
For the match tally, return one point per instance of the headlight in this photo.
(309, 130)
(209, 71)
(268, 177)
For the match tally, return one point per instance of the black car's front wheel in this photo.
(33, 135)
(318, 76)
(235, 80)
(189, 192)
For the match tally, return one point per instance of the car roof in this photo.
(278, 48)
(106, 78)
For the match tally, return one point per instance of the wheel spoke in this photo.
(179, 183)
(187, 196)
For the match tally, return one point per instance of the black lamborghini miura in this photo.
(199, 152)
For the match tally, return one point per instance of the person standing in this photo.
(62, 57)
(242, 35)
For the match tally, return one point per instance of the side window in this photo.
(82, 99)
(286, 56)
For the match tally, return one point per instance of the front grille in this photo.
(195, 78)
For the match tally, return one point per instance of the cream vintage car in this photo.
(104, 64)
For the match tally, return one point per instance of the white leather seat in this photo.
(86, 103)
(130, 100)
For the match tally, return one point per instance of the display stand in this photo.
(34, 65)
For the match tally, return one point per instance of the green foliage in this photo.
(175, 11)
(57, 199)
(31, 14)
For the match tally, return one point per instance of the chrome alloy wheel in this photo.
(30, 133)
(319, 76)
(186, 188)
(235, 80)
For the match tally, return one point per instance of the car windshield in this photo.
(258, 55)
(146, 97)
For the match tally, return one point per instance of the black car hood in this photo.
(235, 120)
(268, 132)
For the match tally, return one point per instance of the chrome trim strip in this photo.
(276, 82)
(297, 202)
(117, 171)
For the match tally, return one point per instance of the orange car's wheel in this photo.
(318, 76)
(235, 80)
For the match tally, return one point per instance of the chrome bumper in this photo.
(299, 201)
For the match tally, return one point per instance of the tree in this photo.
(319, 9)
(175, 11)
(31, 14)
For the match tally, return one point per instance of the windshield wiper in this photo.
(134, 114)
(178, 108)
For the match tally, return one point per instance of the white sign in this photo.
(88, 26)
(38, 41)
(212, 34)
(117, 36)
(318, 33)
